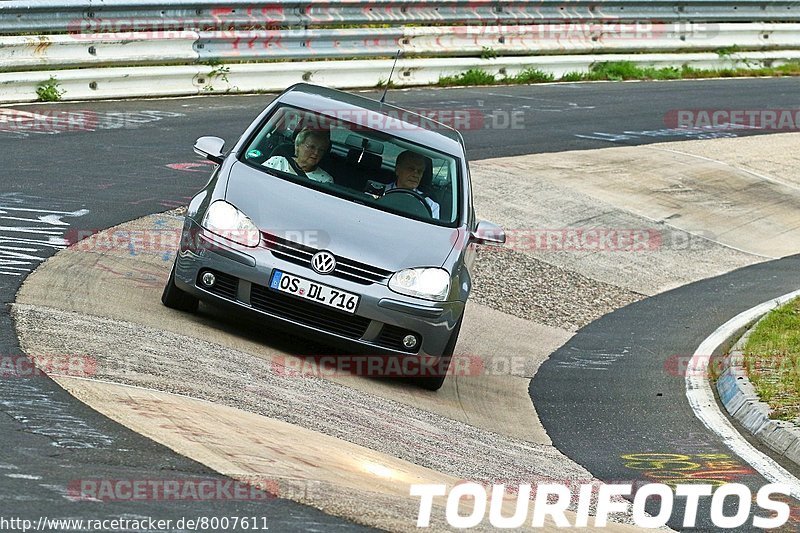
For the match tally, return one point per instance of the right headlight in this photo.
(427, 283)
(228, 222)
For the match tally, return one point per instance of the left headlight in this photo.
(427, 283)
(228, 222)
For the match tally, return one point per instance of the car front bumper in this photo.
(381, 318)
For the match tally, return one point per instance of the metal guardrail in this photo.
(124, 82)
(186, 47)
(98, 16)
(492, 41)
(247, 36)
(44, 52)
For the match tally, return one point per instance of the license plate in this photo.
(316, 292)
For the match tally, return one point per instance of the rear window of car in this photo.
(359, 164)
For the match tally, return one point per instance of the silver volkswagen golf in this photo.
(346, 219)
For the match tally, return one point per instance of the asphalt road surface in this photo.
(648, 433)
(116, 161)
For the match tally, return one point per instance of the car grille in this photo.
(392, 337)
(225, 285)
(300, 254)
(307, 313)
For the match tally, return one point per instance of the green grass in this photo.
(627, 70)
(772, 360)
(473, 76)
(476, 76)
(616, 71)
(531, 75)
(728, 51)
(49, 91)
(488, 53)
(573, 76)
(383, 83)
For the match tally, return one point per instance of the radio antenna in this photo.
(396, 57)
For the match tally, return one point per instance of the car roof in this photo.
(350, 107)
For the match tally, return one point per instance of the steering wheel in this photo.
(415, 194)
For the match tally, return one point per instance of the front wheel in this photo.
(436, 381)
(175, 298)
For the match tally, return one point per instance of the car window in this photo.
(359, 164)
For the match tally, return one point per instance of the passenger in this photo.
(408, 169)
(310, 146)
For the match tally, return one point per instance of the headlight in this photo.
(427, 283)
(230, 223)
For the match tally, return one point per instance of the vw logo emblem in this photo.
(323, 262)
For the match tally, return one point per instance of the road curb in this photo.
(741, 401)
(700, 393)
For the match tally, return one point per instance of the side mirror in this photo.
(488, 233)
(210, 148)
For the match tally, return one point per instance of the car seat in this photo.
(442, 195)
(284, 149)
(287, 150)
(363, 166)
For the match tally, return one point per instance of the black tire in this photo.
(175, 298)
(435, 382)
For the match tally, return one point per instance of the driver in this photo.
(408, 169)
(309, 148)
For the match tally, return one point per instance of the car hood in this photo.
(346, 229)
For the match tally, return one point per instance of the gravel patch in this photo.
(522, 285)
(177, 212)
(132, 354)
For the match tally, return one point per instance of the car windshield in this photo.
(367, 166)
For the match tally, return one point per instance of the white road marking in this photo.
(22, 124)
(42, 414)
(18, 254)
(690, 133)
(29, 229)
(561, 106)
(593, 360)
(49, 219)
(701, 397)
(52, 242)
(78, 213)
(23, 476)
